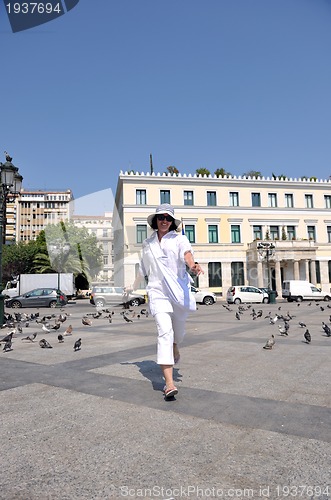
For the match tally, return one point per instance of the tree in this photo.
(202, 171)
(18, 259)
(173, 170)
(281, 176)
(84, 257)
(221, 172)
(253, 173)
(284, 235)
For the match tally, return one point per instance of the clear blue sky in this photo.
(235, 84)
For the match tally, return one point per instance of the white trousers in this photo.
(170, 330)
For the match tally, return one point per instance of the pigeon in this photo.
(77, 345)
(62, 318)
(86, 321)
(7, 347)
(302, 325)
(326, 328)
(45, 329)
(237, 315)
(68, 330)
(30, 337)
(307, 336)
(128, 320)
(56, 326)
(283, 330)
(44, 344)
(7, 337)
(60, 338)
(270, 343)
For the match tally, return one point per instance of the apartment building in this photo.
(35, 209)
(226, 220)
(101, 227)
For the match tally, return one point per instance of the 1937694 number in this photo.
(33, 8)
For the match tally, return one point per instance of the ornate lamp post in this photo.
(266, 250)
(10, 186)
(59, 250)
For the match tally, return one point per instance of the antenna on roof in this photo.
(151, 163)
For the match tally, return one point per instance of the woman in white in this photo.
(165, 255)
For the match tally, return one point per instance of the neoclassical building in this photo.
(250, 231)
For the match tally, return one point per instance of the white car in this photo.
(246, 294)
(203, 296)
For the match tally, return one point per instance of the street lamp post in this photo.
(266, 250)
(59, 250)
(10, 186)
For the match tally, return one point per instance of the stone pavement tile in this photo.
(61, 444)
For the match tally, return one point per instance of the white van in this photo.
(302, 290)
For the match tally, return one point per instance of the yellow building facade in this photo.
(228, 220)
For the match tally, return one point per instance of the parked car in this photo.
(203, 296)
(266, 289)
(238, 294)
(39, 297)
(112, 295)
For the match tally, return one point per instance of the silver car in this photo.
(103, 295)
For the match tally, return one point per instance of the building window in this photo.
(214, 274)
(164, 196)
(311, 232)
(141, 197)
(190, 233)
(105, 260)
(141, 234)
(212, 234)
(309, 201)
(329, 265)
(237, 273)
(289, 203)
(257, 233)
(272, 200)
(105, 233)
(235, 234)
(327, 199)
(234, 199)
(290, 232)
(211, 198)
(188, 197)
(329, 233)
(256, 199)
(274, 232)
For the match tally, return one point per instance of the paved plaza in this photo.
(93, 424)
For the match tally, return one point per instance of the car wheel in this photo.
(208, 301)
(52, 303)
(299, 299)
(265, 300)
(237, 301)
(16, 304)
(327, 298)
(135, 302)
(99, 302)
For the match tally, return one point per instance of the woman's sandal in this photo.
(170, 393)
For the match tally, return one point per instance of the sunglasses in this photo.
(168, 218)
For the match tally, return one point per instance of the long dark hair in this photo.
(173, 226)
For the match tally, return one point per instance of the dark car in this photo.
(265, 289)
(39, 297)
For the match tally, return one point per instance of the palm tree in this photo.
(173, 170)
(202, 171)
(221, 172)
(71, 264)
(253, 173)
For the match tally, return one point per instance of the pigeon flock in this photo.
(19, 323)
(283, 321)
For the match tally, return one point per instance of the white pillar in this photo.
(296, 270)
